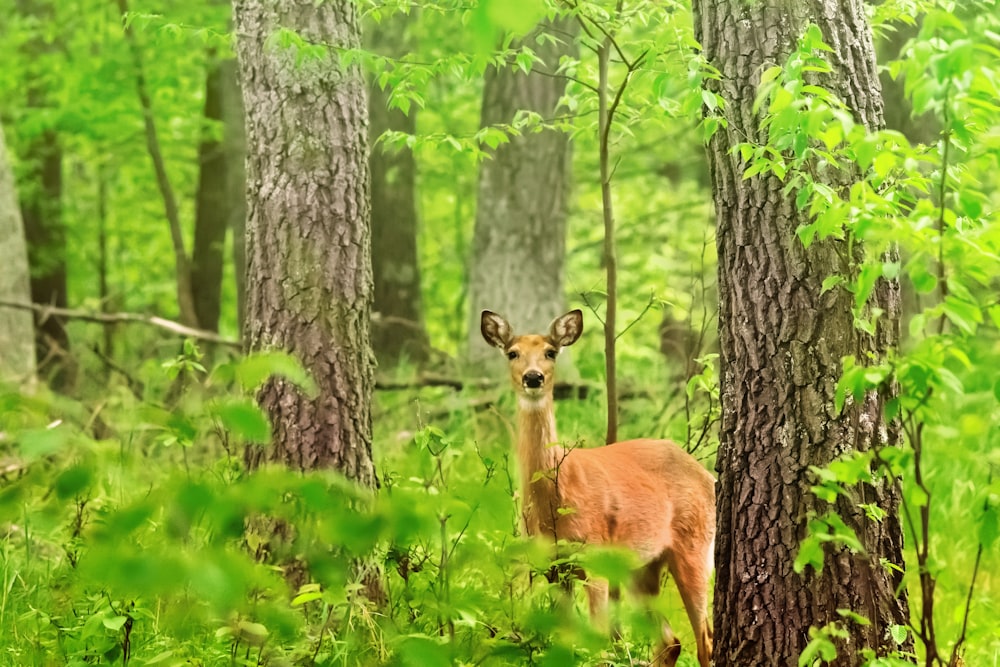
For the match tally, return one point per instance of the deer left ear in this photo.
(566, 329)
(495, 329)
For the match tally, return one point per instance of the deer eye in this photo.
(551, 354)
(512, 355)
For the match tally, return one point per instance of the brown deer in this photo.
(647, 495)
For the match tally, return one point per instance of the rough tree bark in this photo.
(398, 330)
(782, 341)
(519, 242)
(308, 236)
(17, 333)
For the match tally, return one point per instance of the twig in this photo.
(953, 662)
(45, 310)
(649, 304)
(135, 386)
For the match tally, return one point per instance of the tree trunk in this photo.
(398, 330)
(519, 242)
(17, 334)
(235, 149)
(220, 202)
(211, 217)
(782, 341)
(308, 234)
(41, 207)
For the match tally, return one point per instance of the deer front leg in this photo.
(597, 595)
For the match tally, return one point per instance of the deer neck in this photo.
(536, 452)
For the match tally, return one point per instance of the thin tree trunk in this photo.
(782, 341)
(103, 291)
(308, 234)
(398, 329)
(211, 217)
(610, 253)
(185, 297)
(519, 242)
(17, 334)
(235, 148)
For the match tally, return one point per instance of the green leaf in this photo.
(615, 565)
(708, 97)
(923, 281)
(303, 598)
(770, 74)
(873, 511)
(423, 651)
(72, 481)
(962, 314)
(989, 527)
(115, 622)
(244, 419)
(883, 164)
(39, 443)
(830, 282)
(853, 616)
(254, 634)
(810, 554)
(899, 633)
(757, 167)
(257, 368)
(890, 270)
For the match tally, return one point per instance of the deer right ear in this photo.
(565, 330)
(496, 330)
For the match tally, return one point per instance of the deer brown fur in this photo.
(648, 495)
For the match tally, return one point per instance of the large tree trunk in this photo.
(782, 341)
(41, 206)
(519, 242)
(308, 235)
(17, 333)
(398, 330)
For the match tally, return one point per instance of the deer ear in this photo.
(496, 331)
(565, 330)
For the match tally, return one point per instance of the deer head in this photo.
(532, 357)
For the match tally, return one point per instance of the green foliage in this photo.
(130, 528)
(116, 549)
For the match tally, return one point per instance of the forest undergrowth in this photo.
(143, 546)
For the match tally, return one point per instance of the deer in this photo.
(647, 495)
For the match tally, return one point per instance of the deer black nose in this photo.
(533, 379)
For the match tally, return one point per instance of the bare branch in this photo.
(45, 310)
